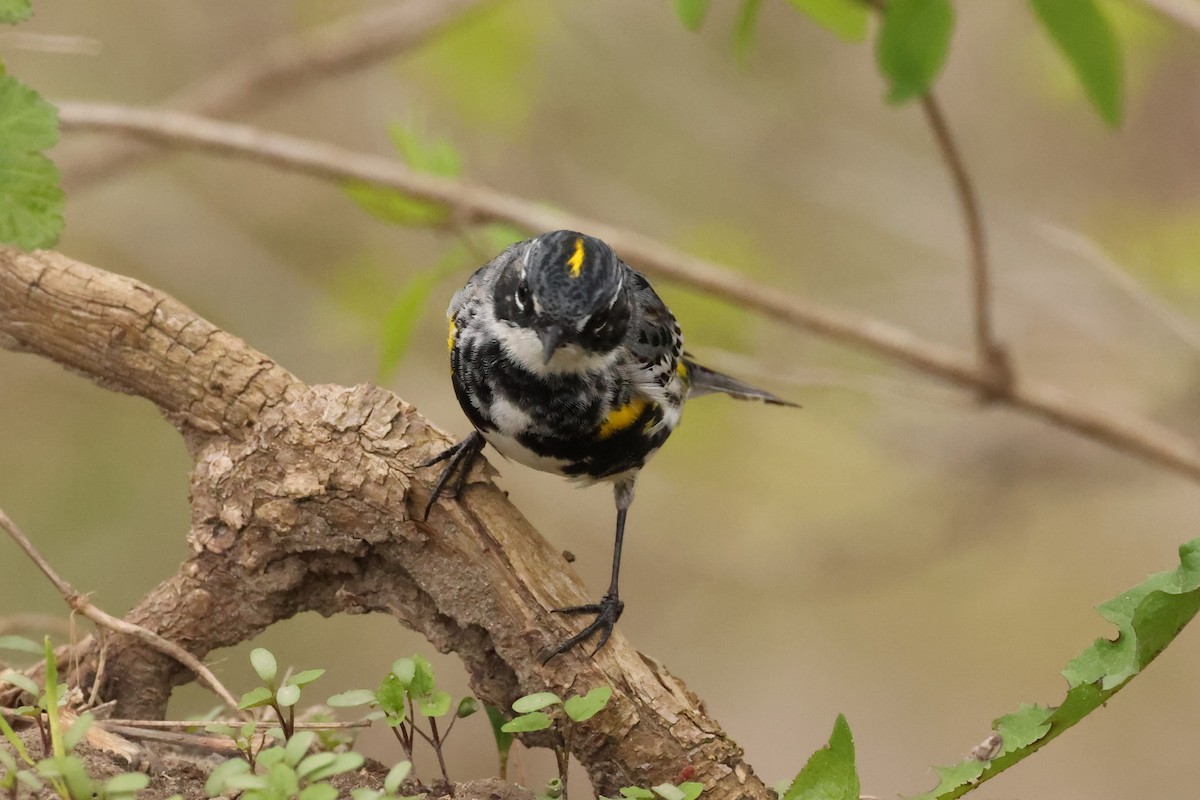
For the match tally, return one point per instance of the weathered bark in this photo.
(308, 498)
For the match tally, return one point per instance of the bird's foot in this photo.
(461, 457)
(607, 612)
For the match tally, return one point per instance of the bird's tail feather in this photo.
(706, 381)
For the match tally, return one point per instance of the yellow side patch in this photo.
(682, 371)
(450, 338)
(622, 417)
(575, 262)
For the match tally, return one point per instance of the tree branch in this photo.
(471, 202)
(282, 66)
(308, 498)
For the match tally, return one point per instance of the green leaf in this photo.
(691, 789)
(254, 698)
(912, 45)
(354, 697)
(270, 757)
(27, 122)
(584, 708)
(342, 762)
(535, 702)
(264, 663)
(396, 776)
(363, 793)
(305, 677)
(31, 202)
(20, 643)
(392, 695)
(422, 682)
(319, 791)
(436, 704)
(14, 11)
(846, 18)
(404, 669)
(215, 785)
(829, 773)
(466, 707)
(422, 153)
(744, 26)
(637, 793)
(127, 783)
(526, 723)
(299, 745)
(23, 682)
(288, 696)
(246, 781)
(1086, 38)
(51, 701)
(504, 739)
(691, 12)
(1148, 617)
(311, 764)
(395, 207)
(79, 728)
(400, 322)
(16, 742)
(668, 791)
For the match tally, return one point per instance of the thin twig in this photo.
(184, 724)
(79, 603)
(992, 359)
(271, 72)
(1124, 432)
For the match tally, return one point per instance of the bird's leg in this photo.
(609, 609)
(462, 457)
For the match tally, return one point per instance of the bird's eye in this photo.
(522, 297)
(597, 325)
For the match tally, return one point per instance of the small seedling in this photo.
(409, 691)
(391, 785)
(576, 710)
(689, 790)
(279, 696)
(283, 772)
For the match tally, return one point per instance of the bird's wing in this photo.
(655, 343)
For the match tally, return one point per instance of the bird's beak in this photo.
(551, 336)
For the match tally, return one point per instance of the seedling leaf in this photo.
(354, 697)
(829, 773)
(24, 682)
(535, 702)
(1084, 36)
(319, 791)
(126, 783)
(466, 707)
(288, 696)
(436, 704)
(846, 18)
(691, 12)
(254, 698)
(264, 663)
(20, 643)
(526, 723)
(305, 677)
(14, 11)
(396, 776)
(581, 709)
(912, 45)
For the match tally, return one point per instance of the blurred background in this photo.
(892, 551)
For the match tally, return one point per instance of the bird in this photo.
(565, 359)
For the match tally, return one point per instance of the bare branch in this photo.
(283, 66)
(993, 361)
(1125, 432)
(308, 498)
(80, 603)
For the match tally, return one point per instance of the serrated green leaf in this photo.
(846, 18)
(912, 46)
(14, 11)
(422, 683)
(305, 677)
(264, 663)
(288, 696)
(527, 723)
(1086, 38)
(223, 771)
(20, 681)
(535, 702)
(436, 704)
(581, 709)
(254, 698)
(351, 698)
(829, 773)
(27, 122)
(20, 643)
(319, 791)
(396, 776)
(31, 202)
(744, 26)
(392, 695)
(691, 12)
(1148, 618)
(127, 783)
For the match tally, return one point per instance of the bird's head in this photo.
(568, 289)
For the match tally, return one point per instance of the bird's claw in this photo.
(461, 456)
(607, 612)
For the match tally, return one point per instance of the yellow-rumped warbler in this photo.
(565, 359)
